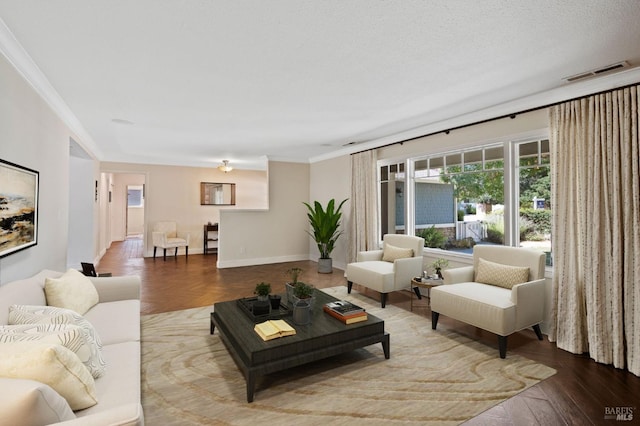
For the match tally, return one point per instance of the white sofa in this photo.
(116, 319)
(491, 302)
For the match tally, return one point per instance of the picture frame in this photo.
(19, 190)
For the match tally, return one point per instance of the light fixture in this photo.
(225, 167)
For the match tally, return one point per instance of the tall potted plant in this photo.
(325, 224)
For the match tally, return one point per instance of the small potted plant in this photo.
(294, 274)
(302, 303)
(262, 305)
(438, 265)
(262, 290)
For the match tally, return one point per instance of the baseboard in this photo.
(260, 261)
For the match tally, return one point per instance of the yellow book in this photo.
(273, 329)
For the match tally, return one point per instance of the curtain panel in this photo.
(596, 227)
(363, 233)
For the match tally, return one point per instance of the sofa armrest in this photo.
(529, 300)
(111, 289)
(121, 415)
(406, 269)
(458, 275)
(369, 255)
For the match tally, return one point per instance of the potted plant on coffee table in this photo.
(293, 273)
(325, 224)
(261, 305)
(302, 303)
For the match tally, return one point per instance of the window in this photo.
(135, 196)
(461, 198)
(534, 196)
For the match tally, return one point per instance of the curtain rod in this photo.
(512, 116)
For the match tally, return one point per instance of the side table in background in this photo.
(427, 283)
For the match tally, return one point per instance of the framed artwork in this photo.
(18, 208)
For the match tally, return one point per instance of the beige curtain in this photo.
(596, 227)
(363, 233)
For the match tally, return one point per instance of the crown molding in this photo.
(11, 48)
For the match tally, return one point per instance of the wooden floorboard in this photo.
(577, 395)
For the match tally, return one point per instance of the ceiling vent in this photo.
(603, 70)
(353, 143)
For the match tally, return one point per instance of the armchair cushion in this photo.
(392, 253)
(500, 275)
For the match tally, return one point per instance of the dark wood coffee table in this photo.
(324, 337)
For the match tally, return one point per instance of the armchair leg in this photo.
(175, 253)
(536, 328)
(434, 319)
(154, 251)
(186, 252)
(164, 254)
(349, 285)
(502, 346)
(383, 299)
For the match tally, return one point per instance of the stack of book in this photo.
(345, 311)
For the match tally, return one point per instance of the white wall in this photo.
(273, 235)
(332, 179)
(31, 135)
(82, 236)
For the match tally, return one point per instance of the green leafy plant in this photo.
(438, 265)
(325, 224)
(294, 273)
(302, 290)
(262, 289)
(432, 237)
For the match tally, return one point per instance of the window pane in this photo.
(534, 219)
(384, 173)
(544, 152)
(473, 161)
(454, 163)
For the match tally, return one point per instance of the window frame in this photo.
(511, 169)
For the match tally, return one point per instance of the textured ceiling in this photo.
(198, 81)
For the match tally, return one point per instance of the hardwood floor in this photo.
(578, 394)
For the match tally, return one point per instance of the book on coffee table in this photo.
(344, 308)
(273, 329)
(347, 319)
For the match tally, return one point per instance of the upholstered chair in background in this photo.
(165, 235)
(389, 269)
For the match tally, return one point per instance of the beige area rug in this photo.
(433, 377)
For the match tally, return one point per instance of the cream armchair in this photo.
(389, 269)
(165, 236)
(503, 292)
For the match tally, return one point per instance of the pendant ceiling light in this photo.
(225, 167)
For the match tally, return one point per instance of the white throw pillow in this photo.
(73, 290)
(500, 275)
(53, 365)
(392, 253)
(31, 314)
(28, 402)
(70, 336)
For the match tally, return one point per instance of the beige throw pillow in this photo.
(500, 275)
(391, 253)
(70, 336)
(53, 365)
(73, 290)
(32, 314)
